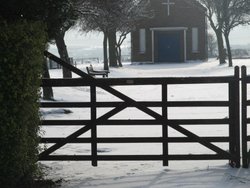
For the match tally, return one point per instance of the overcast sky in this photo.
(240, 35)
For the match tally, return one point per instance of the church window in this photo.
(195, 40)
(142, 40)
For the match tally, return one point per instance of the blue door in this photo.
(169, 47)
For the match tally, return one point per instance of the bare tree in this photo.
(95, 17)
(216, 19)
(212, 45)
(67, 19)
(111, 17)
(132, 13)
(59, 16)
(235, 13)
(55, 16)
(48, 93)
(224, 15)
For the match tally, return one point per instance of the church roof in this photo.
(193, 3)
(196, 4)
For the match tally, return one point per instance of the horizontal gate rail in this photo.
(148, 104)
(131, 157)
(136, 140)
(143, 122)
(59, 82)
(233, 155)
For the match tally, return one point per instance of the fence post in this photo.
(234, 125)
(93, 124)
(164, 124)
(237, 115)
(244, 116)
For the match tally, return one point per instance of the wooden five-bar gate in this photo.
(232, 122)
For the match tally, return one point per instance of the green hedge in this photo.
(21, 57)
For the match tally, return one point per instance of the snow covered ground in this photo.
(147, 174)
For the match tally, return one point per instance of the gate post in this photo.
(165, 124)
(234, 125)
(93, 124)
(245, 159)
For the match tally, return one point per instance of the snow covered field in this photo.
(147, 174)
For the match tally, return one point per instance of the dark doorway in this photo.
(168, 47)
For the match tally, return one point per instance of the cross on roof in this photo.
(168, 3)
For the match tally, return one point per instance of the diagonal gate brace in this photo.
(80, 132)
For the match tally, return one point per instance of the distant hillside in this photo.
(83, 52)
(247, 46)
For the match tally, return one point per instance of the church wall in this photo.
(135, 49)
(182, 15)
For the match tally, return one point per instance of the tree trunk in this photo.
(118, 47)
(105, 51)
(229, 53)
(222, 57)
(112, 49)
(47, 91)
(119, 55)
(63, 52)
